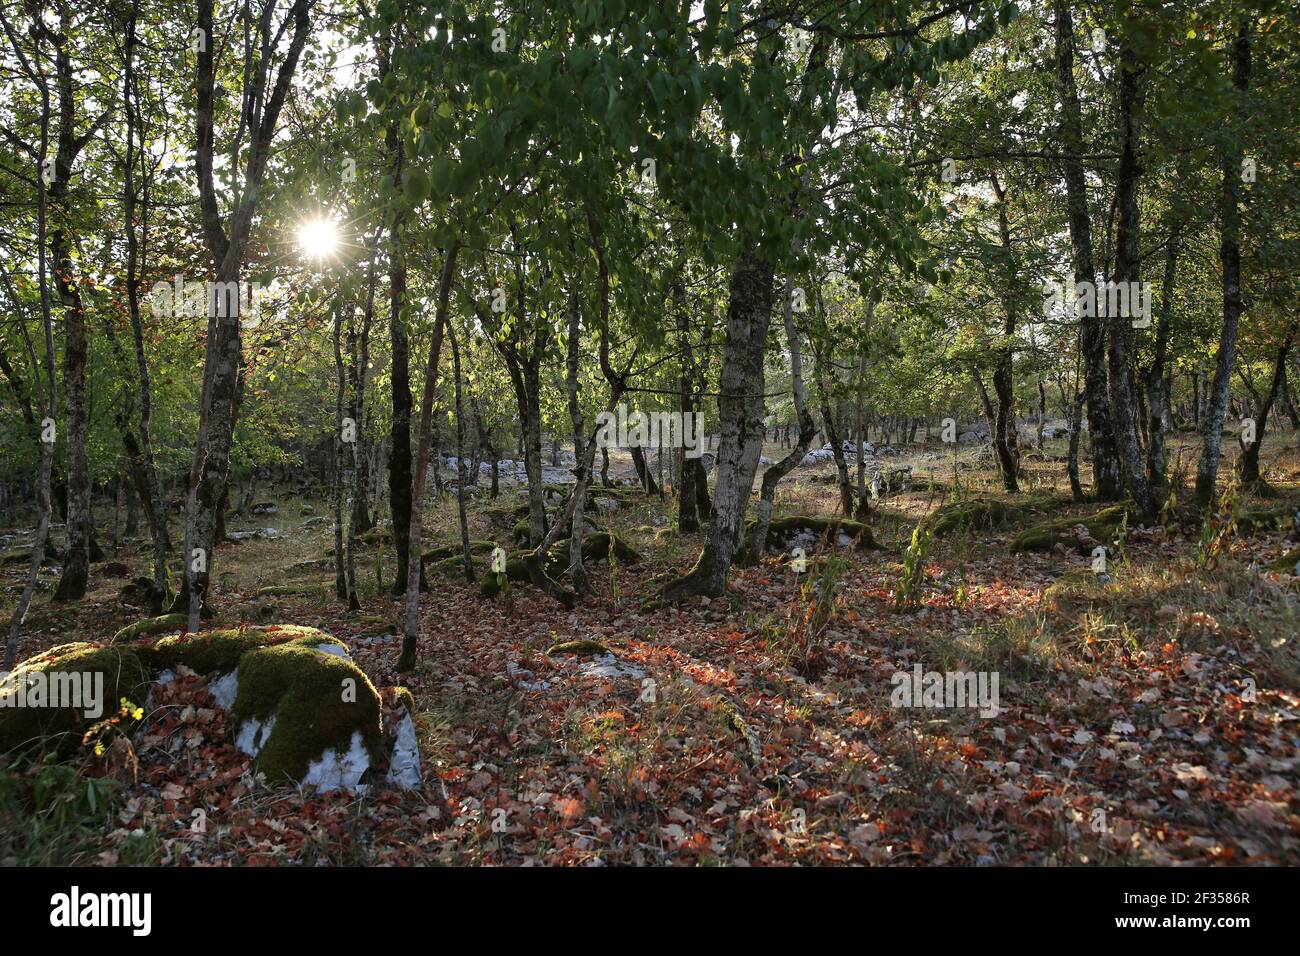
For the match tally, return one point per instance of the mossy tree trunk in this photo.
(399, 453)
(49, 405)
(76, 558)
(262, 103)
(581, 467)
(1003, 426)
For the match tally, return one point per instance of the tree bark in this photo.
(1127, 271)
(807, 429)
(411, 618)
(740, 414)
(1248, 465)
(1230, 264)
(1105, 459)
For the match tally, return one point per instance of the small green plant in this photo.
(52, 812)
(1117, 543)
(1219, 527)
(912, 578)
(801, 641)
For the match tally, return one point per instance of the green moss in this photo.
(973, 514)
(149, 627)
(403, 696)
(1286, 563)
(596, 546)
(781, 530)
(311, 564)
(207, 652)
(584, 647)
(306, 693)
(445, 551)
(1264, 519)
(220, 651)
(124, 675)
(1044, 537)
(23, 556)
(286, 590)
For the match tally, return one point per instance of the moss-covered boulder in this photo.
(23, 556)
(442, 552)
(207, 652)
(56, 695)
(809, 532)
(1264, 519)
(307, 714)
(290, 589)
(1079, 534)
(974, 514)
(580, 648)
(150, 627)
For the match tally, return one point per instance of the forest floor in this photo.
(1147, 716)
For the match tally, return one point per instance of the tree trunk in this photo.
(460, 458)
(1127, 272)
(1248, 465)
(340, 389)
(740, 414)
(821, 362)
(1230, 264)
(807, 429)
(399, 454)
(1157, 379)
(581, 474)
(411, 617)
(1092, 331)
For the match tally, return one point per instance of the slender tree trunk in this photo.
(1157, 379)
(399, 455)
(44, 501)
(340, 389)
(1004, 420)
(1230, 264)
(1248, 465)
(1105, 459)
(460, 457)
(581, 472)
(807, 429)
(411, 618)
(821, 362)
(76, 558)
(1127, 272)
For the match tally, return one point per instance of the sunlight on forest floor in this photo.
(1147, 714)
